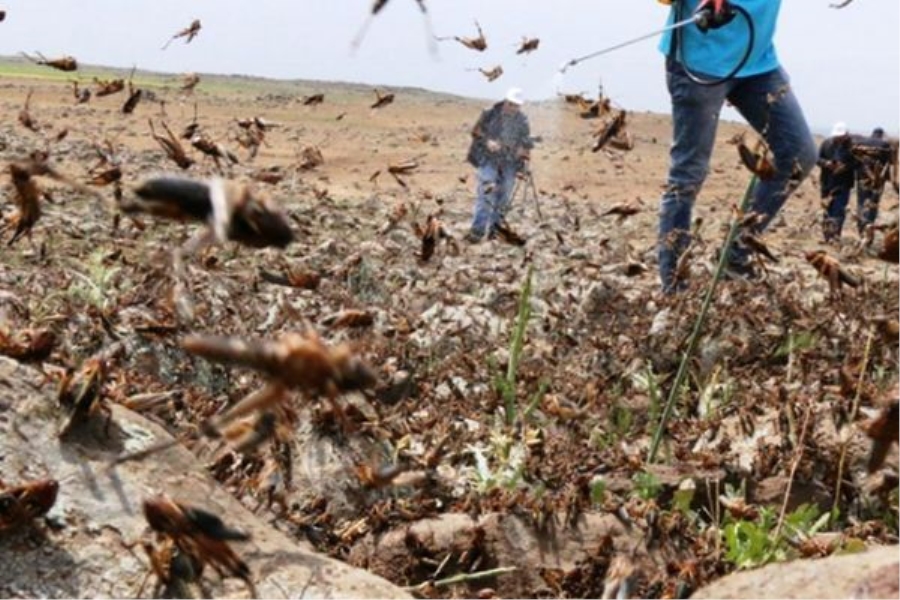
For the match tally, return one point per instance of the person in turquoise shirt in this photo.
(708, 63)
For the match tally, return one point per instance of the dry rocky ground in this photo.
(550, 499)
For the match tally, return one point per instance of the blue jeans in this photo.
(833, 223)
(495, 184)
(695, 117)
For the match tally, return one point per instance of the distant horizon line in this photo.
(822, 130)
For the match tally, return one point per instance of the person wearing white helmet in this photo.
(874, 156)
(836, 178)
(500, 150)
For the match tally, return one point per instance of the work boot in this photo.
(474, 237)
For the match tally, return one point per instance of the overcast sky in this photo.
(845, 64)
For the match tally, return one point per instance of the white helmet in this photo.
(515, 96)
(840, 128)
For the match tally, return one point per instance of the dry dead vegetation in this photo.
(509, 392)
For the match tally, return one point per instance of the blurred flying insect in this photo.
(528, 45)
(295, 361)
(107, 87)
(382, 100)
(199, 535)
(64, 63)
(478, 43)
(19, 505)
(491, 74)
(189, 32)
(377, 7)
(230, 211)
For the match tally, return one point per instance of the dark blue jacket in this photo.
(838, 167)
(510, 129)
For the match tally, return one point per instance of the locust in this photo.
(108, 87)
(134, 95)
(189, 32)
(27, 193)
(230, 211)
(430, 234)
(757, 159)
(304, 280)
(478, 43)
(310, 158)
(623, 210)
(890, 246)
(82, 95)
(19, 505)
(29, 345)
(213, 150)
(832, 271)
(377, 7)
(80, 393)
(313, 99)
(883, 430)
(298, 361)
(172, 147)
(612, 129)
(382, 100)
(64, 63)
(200, 536)
(528, 45)
(25, 118)
(492, 73)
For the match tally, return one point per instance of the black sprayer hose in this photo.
(751, 29)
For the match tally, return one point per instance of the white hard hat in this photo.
(840, 128)
(516, 96)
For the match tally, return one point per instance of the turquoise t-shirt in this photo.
(718, 51)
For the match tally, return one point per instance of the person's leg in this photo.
(867, 207)
(506, 182)
(835, 214)
(695, 117)
(770, 106)
(484, 204)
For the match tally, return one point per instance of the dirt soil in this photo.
(549, 439)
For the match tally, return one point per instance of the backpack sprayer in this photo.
(705, 18)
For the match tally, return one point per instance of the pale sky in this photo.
(844, 64)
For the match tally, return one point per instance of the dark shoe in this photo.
(735, 271)
(473, 237)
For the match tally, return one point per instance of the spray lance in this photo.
(705, 17)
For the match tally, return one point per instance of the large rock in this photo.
(93, 549)
(870, 574)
